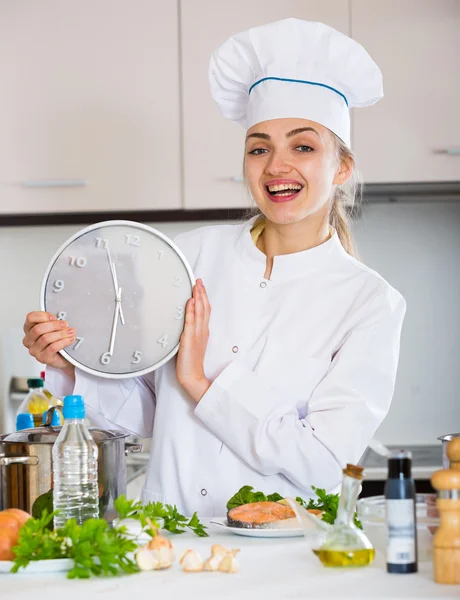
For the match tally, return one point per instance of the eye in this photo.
(258, 151)
(304, 148)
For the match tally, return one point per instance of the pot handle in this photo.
(132, 448)
(5, 461)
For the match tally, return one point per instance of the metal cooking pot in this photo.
(445, 439)
(26, 468)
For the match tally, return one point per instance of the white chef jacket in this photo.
(302, 368)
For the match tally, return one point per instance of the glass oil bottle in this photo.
(346, 545)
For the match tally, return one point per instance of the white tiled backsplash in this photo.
(415, 246)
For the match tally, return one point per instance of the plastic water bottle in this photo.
(75, 467)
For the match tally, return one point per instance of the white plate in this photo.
(52, 565)
(258, 533)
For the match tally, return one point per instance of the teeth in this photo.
(284, 186)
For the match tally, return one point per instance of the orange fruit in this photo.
(9, 523)
(8, 539)
(19, 514)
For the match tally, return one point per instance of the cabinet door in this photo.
(213, 146)
(90, 95)
(416, 43)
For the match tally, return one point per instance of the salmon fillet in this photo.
(259, 514)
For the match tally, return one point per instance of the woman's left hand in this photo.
(193, 344)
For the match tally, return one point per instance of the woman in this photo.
(299, 368)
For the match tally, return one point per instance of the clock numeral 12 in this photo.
(136, 357)
(79, 262)
(132, 240)
(163, 340)
(160, 254)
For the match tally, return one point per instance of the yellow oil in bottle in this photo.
(346, 558)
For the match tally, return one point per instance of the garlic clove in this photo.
(218, 550)
(191, 561)
(229, 563)
(145, 559)
(212, 564)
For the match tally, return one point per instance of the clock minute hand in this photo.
(115, 322)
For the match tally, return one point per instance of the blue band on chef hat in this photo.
(298, 81)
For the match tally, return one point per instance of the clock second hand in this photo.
(115, 322)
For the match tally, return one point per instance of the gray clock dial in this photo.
(123, 286)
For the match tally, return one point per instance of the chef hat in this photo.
(293, 68)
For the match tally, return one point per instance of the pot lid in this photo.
(48, 435)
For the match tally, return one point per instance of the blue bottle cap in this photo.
(55, 419)
(24, 421)
(74, 407)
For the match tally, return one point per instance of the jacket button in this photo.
(204, 492)
(263, 284)
(235, 349)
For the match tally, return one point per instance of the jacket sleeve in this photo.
(127, 404)
(264, 428)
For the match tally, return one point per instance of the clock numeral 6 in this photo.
(106, 358)
(132, 240)
(136, 357)
(163, 340)
(180, 312)
(101, 243)
(58, 285)
(61, 315)
(79, 262)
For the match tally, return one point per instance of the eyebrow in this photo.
(265, 136)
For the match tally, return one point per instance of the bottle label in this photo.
(401, 532)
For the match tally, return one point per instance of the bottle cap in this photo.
(74, 407)
(399, 464)
(55, 419)
(35, 382)
(24, 421)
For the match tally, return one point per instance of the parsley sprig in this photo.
(164, 516)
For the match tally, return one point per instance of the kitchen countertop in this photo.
(270, 569)
(426, 460)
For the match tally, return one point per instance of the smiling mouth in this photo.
(283, 192)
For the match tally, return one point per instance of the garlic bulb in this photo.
(191, 561)
(157, 554)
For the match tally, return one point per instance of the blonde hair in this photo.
(345, 200)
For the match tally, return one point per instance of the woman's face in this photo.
(291, 168)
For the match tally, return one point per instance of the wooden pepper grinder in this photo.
(446, 540)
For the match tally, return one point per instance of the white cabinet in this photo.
(416, 43)
(90, 93)
(213, 146)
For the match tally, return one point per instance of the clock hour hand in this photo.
(115, 283)
(115, 322)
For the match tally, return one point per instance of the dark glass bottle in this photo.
(400, 514)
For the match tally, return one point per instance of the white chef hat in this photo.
(293, 68)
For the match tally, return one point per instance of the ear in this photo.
(344, 171)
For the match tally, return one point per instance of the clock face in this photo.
(123, 286)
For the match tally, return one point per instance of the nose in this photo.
(278, 164)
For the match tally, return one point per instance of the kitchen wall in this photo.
(416, 246)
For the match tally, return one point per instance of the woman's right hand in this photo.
(45, 336)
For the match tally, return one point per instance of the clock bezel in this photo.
(84, 231)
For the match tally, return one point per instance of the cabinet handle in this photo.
(5, 461)
(449, 151)
(55, 183)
